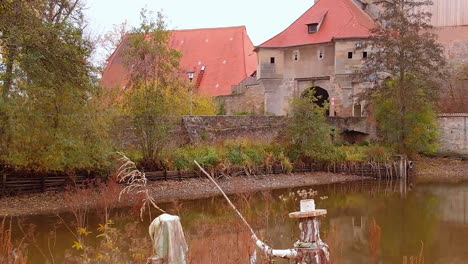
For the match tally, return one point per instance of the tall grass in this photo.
(9, 254)
(226, 156)
(417, 259)
(232, 155)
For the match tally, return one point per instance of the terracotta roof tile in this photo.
(227, 54)
(341, 19)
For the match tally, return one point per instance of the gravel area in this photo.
(441, 170)
(52, 202)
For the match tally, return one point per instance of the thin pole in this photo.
(191, 92)
(282, 253)
(229, 201)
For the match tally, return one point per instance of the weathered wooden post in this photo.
(310, 248)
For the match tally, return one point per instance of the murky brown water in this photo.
(367, 222)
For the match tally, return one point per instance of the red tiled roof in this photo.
(341, 19)
(227, 54)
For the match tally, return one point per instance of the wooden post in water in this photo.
(310, 248)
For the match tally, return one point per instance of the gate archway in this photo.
(321, 95)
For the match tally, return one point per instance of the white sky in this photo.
(263, 18)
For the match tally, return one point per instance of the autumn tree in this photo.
(156, 96)
(51, 112)
(109, 42)
(454, 97)
(405, 67)
(307, 133)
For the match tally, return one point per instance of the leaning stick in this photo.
(225, 196)
(282, 253)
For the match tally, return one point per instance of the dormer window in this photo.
(314, 22)
(312, 28)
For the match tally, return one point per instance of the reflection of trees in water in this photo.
(214, 232)
(453, 202)
(404, 219)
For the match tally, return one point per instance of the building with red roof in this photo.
(220, 58)
(321, 50)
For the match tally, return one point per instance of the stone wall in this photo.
(326, 65)
(246, 98)
(454, 133)
(214, 129)
(125, 136)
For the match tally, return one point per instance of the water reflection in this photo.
(367, 222)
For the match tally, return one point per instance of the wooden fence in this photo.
(14, 184)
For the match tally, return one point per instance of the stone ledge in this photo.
(453, 115)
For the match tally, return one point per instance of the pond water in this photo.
(367, 222)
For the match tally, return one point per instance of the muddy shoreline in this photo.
(440, 170)
(427, 170)
(168, 191)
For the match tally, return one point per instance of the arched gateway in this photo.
(320, 94)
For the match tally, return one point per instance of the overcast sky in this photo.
(263, 18)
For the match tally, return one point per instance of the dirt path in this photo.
(50, 202)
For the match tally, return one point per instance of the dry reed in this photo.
(136, 183)
(9, 254)
(418, 259)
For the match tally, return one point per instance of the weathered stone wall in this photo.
(454, 132)
(353, 125)
(267, 68)
(126, 137)
(213, 129)
(246, 98)
(325, 65)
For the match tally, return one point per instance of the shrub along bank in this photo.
(232, 155)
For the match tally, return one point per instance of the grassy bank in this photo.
(248, 154)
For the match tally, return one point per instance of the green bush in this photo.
(354, 152)
(183, 158)
(308, 135)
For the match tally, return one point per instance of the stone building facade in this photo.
(320, 50)
(454, 132)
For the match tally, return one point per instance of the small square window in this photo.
(272, 60)
(350, 55)
(364, 54)
(312, 28)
